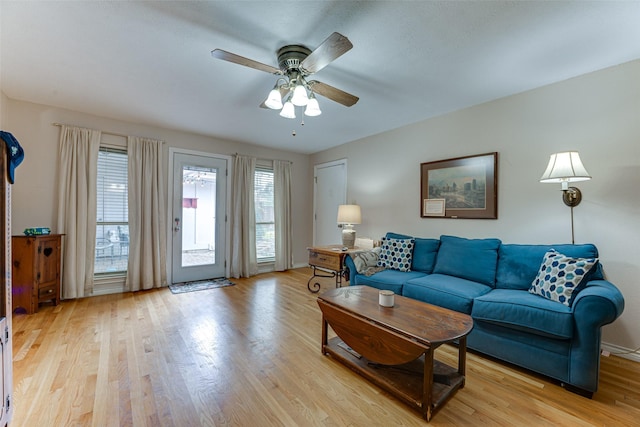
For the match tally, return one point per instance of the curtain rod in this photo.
(108, 133)
(261, 158)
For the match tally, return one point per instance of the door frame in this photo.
(315, 185)
(227, 229)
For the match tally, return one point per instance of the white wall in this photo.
(3, 109)
(34, 192)
(596, 114)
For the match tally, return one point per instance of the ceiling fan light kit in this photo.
(297, 62)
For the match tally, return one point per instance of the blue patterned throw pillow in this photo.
(560, 277)
(396, 254)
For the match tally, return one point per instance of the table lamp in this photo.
(348, 215)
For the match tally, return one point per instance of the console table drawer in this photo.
(331, 262)
(46, 294)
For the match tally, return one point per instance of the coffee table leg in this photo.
(427, 388)
(462, 357)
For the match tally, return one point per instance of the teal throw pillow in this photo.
(396, 254)
(560, 277)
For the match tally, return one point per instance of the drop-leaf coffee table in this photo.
(393, 347)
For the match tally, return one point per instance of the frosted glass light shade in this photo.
(300, 98)
(565, 167)
(313, 108)
(288, 110)
(349, 214)
(274, 100)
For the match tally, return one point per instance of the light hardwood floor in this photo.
(249, 355)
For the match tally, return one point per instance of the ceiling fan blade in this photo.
(237, 59)
(332, 48)
(332, 93)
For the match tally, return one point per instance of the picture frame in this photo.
(434, 207)
(468, 185)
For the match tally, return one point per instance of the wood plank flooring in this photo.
(249, 355)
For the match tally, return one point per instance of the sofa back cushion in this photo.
(518, 265)
(471, 259)
(424, 252)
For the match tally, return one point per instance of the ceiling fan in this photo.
(296, 63)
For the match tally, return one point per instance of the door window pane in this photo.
(198, 216)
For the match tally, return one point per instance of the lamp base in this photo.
(348, 237)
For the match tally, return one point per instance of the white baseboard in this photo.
(625, 353)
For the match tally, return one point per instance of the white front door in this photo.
(199, 217)
(329, 192)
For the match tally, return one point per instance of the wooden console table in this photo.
(393, 347)
(328, 261)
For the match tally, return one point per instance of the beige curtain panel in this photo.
(147, 266)
(77, 176)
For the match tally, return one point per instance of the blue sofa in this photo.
(490, 281)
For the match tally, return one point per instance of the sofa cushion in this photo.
(518, 264)
(391, 280)
(424, 254)
(521, 310)
(560, 277)
(471, 259)
(445, 291)
(396, 254)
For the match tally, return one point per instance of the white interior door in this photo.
(199, 217)
(329, 191)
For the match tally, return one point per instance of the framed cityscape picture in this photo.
(468, 186)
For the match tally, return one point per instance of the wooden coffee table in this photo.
(394, 347)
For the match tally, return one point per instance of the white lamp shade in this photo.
(565, 167)
(274, 100)
(349, 214)
(288, 110)
(300, 97)
(313, 108)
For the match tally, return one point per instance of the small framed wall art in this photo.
(463, 187)
(434, 207)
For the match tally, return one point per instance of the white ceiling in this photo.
(150, 62)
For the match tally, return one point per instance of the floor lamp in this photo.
(565, 168)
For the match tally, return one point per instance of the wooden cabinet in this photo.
(35, 270)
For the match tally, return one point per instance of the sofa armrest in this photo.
(361, 260)
(351, 267)
(600, 301)
(599, 304)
